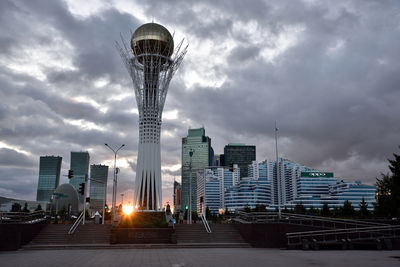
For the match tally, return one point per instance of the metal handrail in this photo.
(206, 225)
(329, 235)
(260, 217)
(22, 217)
(76, 223)
(335, 231)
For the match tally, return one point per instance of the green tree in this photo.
(195, 216)
(286, 210)
(208, 213)
(347, 209)
(299, 209)
(39, 207)
(25, 209)
(388, 190)
(247, 208)
(62, 211)
(325, 210)
(16, 207)
(261, 208)
(227, 213)
(313, 211)
(364, 212)
(337, 211)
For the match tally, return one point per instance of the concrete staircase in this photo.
(88, 236)
(57, 235)
(222, 235)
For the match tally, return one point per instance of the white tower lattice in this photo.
(151, 63)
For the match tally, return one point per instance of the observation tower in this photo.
(151, 62)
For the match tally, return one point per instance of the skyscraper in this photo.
(80, 168)
(240, 154)
(177, 196)
(151, 62)
(98, 184)
(49, 177)
(200, 144)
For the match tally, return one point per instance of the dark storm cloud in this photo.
(333, 102)
(12, 158)
(334, 91)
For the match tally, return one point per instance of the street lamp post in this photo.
(191, 151)
(278, 175)
(114, 195)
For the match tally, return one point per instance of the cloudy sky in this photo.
(327, 71)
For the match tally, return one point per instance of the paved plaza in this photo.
(198, 257)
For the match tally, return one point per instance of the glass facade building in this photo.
(211, 187)
(80, 167)
(240, 154)
(98, 184)
(251, 191)
(354, 192)
(202, 157)
(49, 177)
(177, 196)
(209, 192)
(299, 185)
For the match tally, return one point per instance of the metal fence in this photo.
(22, 217)
(301, 219)
(343, 235)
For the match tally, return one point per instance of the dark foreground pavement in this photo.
(198, 257)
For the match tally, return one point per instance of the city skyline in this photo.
(326, 72)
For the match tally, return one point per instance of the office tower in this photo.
(200, 144)
(98, 185)
(151, 63)
(80, 168)
(177, 196)
(240, 154)
(222, 160)
(49, 177)
(211, 185)
(251, 191)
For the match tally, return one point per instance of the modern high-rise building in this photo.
(80, 168)
(98, 185)
(211, 187)
(222, 160)
(221, 189)
(49, 177)
(200, 144)
(240, 154)
(251, 191)
(151, 61)
(177, 196)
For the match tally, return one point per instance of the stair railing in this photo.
(76, 223)
(206, 225)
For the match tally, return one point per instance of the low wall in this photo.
(13, 236)
(142, 235)
(271, 235)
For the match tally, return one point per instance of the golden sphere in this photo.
(152, 38)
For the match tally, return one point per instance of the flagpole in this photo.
(278, 176)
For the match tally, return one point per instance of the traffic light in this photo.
(231, 166)
(187, 207)
(70, 174)
(82, 188)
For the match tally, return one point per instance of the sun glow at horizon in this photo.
(127, 209)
